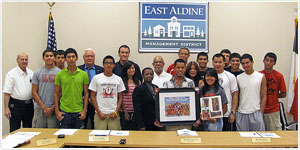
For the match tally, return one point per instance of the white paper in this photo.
(186, 132)
(66, 131)
(119, 133)
(249, 134)
(258, 134)
(100, 132)
(17, 138)
(269, 135)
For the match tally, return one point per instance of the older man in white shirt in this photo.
(17, 94)
(160, 76)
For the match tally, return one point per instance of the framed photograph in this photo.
(168, 26)
(211, 107)
(177, 106)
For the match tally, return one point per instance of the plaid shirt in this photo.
(186, 83)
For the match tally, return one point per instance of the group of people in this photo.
(121, 96)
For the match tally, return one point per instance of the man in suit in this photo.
(91, 69)
(143, 102)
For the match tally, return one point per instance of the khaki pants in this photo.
(106, 124)
(272, 121)
(40, 120)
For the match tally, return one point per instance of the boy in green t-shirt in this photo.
(70, 82)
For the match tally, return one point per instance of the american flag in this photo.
(51, 43)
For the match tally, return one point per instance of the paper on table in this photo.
(249, 134)
(17, 138)
(119, 133)
(258, 134)
(100, 132)
(66, 131)
(186, 132)
(270, 135)
(27, 133)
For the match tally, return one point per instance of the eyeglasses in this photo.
(108, 63)
(158, 62)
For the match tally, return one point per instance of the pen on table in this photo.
(100, 135)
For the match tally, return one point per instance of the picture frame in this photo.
(211, 107)
(177, 106)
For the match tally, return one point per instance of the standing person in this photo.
(212, 88)
(70, 82)
(42, 93)
(124, 52)
(226, 53)
(60, 59)
(106, 95)
(130, 81)
(202, 59)
(91, 69)
(184, 54)
(179, 81)
(143, 98)
(193, 72)
(229, 83)
(253, 97)
(160, 76)
(275, 89)
(235, 62)
(17, 95)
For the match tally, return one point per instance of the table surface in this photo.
(162, 139)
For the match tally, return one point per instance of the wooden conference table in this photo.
(161, 139)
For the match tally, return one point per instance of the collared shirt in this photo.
(159, 80)
(18, 83)
(71, 87)
(92, 71)
(186, 83)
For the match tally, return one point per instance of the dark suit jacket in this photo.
(98, 69)
(118, 70)
(144, 107)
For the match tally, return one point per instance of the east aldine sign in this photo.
(166, 27)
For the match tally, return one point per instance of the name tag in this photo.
(261, 140)
(190, 140)
(46, 142)
(98, 138)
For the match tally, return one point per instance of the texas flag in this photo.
(293, 86)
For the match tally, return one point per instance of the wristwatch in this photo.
(233, 112)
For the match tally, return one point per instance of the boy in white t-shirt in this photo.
(107, 87)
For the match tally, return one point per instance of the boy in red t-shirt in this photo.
(275, 89)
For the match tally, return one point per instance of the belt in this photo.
(22, 101)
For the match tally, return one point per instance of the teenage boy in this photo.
(179, 81)
(228, 81)
(60, 59)
(275, 89)
(184, 54)
(235, 62)
(70, 82)
(202, 59)
(253, 97)
(226, 53)
(106, 95)
(42, 93)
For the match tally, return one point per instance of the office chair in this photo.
(283, 120)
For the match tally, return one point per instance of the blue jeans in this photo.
(213, 126)
(71, 121)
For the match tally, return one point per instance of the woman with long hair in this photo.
(130, 80)
(212, 88)
(193, 73)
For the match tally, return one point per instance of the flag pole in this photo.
(51, 5)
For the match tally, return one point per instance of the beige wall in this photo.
(243, 27)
